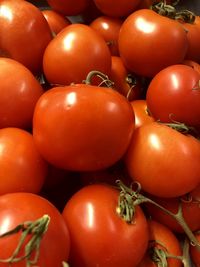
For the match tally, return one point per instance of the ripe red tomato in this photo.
(55, 20)
(144, 48)
(190, 210)
(156, 156)
(125, 82)
(99, 237)
(17, 208)
(22, 167)
(121, 8)
(24, 33)
(194, 252)
(19, 93)
(141, 112)
(174, 95)
(164, 239)
(192, 64)
(72, 54)
(82, 127)
(68, 8)
(109, 29)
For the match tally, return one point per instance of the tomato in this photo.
(148, 3)
(82, 127)
(121, 8)
(164, 239)
(194, 252)
(24, 33)
(142, 115)
(173, 95)
(144, 48)
(17, 208)
(55, 20)
(109, 29)
(99, 237)
(68, 8)
(156, 156)
(125, 82)
(72, 54)
(192, 64)
(19, 93)
(190, 210)
(22, 167)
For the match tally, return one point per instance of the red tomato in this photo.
(121, 8)
(17, 208)
(174, 95)
(148, 3)
(156, 156)
(193, 64)
(141, 112)
(24, 33)
(103, 237)
(82, 127)
(195, 252)
(72, 54)
(22, 167)
(55, 20)
(164, 239)
(125, 82)
(109, 29)
(19, 93)
(68, 8)
(190, 210)
(144, 48)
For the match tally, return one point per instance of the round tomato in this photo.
(195, 252)
(162, 240)
(192, 64)
(24, 33)
(68, 8)
(82, 127)
(121, 8)
(22, 167)
(140, 110)
(109, 29)
(125, 82)
(19, 93)
(174, 95)
(72, 54)
(20, 208)
(55, 20)
(144, 48)
(99, 236)
(156, 156)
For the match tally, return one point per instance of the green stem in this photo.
(105, 79)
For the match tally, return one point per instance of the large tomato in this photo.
(174, 95)
(19, 92)
(156, 156)
(166, 243)
(99, 236)
(24, 33)
(22, 167)
(82, 127)
(19, 208)
(149, 42)
(72, 54)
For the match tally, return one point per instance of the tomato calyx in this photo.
(105, 81)
(33, 229)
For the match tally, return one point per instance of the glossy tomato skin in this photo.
(109, 29)
(173, 95)
(19, 93)
(103, 237)
(156, 156)
(121, 8)
(22, 167)
(17, 208)
(194, 252)
(82, 127)
(24, 33)
(77, 50)
(144, 48)
(163, 238)
(55, 20)
(68, 8)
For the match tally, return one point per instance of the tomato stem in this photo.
(104, 78)
(36, 229)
